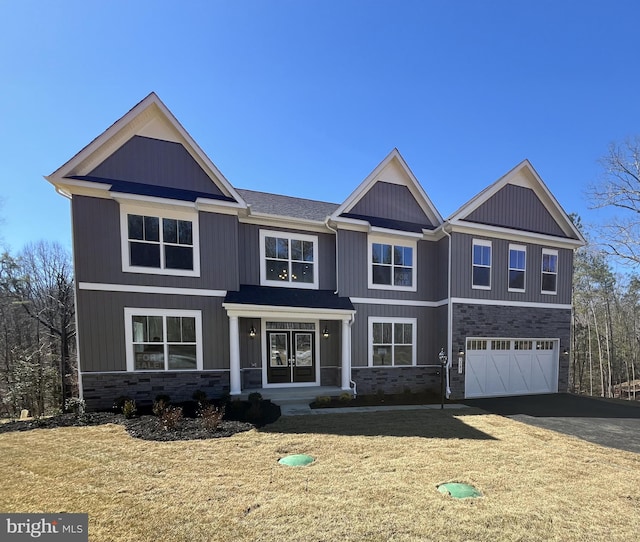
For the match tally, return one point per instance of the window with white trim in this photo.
(517, 268)
(165, 242)
(392, 264)
(549, 271)
(288, 259)
(163, 340)
(481, 272)
(392, 342)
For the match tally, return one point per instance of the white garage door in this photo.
(496, 367)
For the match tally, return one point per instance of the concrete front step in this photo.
(292, 396)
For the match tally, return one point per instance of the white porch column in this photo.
(234, 356)
(346, 355)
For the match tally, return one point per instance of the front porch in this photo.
(282, 396)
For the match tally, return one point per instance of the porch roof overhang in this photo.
(264, 301)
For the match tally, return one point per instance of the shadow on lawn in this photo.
(405, 423)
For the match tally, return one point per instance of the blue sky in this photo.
(306, 97)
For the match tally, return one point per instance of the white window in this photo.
(159, 242)
(517, 268)
(288, 259)
(549, 271)
(392, 264)
(481, 272)
(392, 342)
(163, 340)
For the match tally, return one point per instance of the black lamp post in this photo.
(443, 363)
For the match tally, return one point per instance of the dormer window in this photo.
(288, 259)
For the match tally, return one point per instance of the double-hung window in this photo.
(288, 259)
(163, 243)
(392, 265)
(392, 342)
(481, 269)
(163, 340)
(549, 271)
(517, 268)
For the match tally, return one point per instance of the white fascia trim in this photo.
(165, 290)
(499, 303)
(398, 302)
(374, 230)
(275, 221)
(271, 311)
(514, 235)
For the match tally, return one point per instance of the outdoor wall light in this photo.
(252, 332)
(325, 332)
(566, 352)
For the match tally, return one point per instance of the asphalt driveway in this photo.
(609, 422)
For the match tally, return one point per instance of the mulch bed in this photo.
(241, 416)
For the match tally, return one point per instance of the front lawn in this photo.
(374, 478)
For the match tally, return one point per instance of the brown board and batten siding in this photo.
(156, 162)
(518, 208)
(392, 201)
(97, 248)
(249, 255)
(461, 272)
(101, 327)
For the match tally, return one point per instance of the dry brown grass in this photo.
(374, 479)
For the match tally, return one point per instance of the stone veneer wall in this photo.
(471, 320)
(101, 389)
(251, 379)
(371, 380)
(330, 376)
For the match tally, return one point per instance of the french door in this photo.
(291, 357)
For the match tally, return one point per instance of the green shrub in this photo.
(129, 409)
(323, 400)
(171, 418)
(255, 397)
(211, 417)
(345, 397)
(118, 403)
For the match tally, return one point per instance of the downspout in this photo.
(75, 293)
(326, 223)
(353, 317)
(449, 314)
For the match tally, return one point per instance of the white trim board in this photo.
(500, 303)
(398, 302)
(132, 288)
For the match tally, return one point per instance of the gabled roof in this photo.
(149, 118)
(522, 177)
(405, 178)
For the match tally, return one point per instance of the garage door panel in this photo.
(497, 381)
(520, 373)
(517, 368)
(476, 377)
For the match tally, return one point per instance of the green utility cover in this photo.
(459, 491)
(298, 460)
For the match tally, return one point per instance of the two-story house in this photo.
(186, 283)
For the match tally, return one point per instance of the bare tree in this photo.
(619, 189)
(40, 281)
